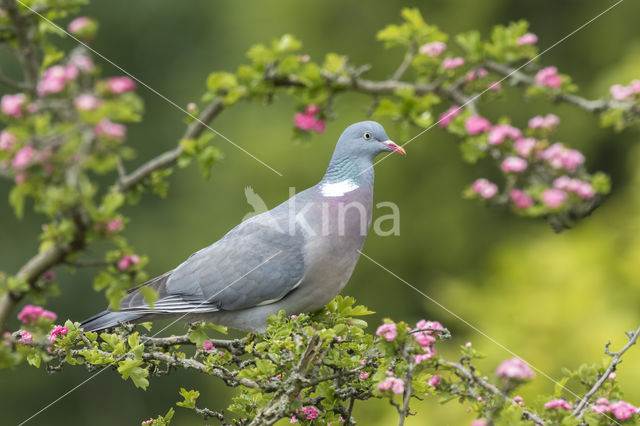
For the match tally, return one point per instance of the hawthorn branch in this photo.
(23, 27)
(471, 377)
(615, 360)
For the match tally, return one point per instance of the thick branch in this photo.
(24, 30)
(615, 360)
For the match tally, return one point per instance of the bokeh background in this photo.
(555, 300)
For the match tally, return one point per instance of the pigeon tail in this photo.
(107, 319)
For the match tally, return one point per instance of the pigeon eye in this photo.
(366, 135)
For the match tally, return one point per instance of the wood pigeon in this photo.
(297, 256)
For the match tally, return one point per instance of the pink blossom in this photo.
(392, 383)
(310, 412)
(30, 314)
(548, 121)
(528, 38)
(495, 86)
(71, 72)
(600, 408)
(451, 63)
(612, 375)
(293, 419)
(513, 164)
(434, 380)
(524, 146)
(479, 422)
(521, 199)
(78, 24)
(304, 58)
(549, 77)
(518, 400)
(11, 105)
(312, 109)
(363, 362)
(26, 336)
(191, 106)
(54, 79)
(7, 140)
(470, 76)
(482, 73)
(389, 331)
(110, 130)
(429, 352)
(127, 261)
(364, 375)
(21, 177)
(304, 121)
(476, 125)
(560, 157)
(319, 126)
(208, 346)
(23, 157)
(121, 84)
(82, 62)
(485, 188)
(558, 403)
(468, 345)
(622, 410)
(447, 116)
(58, 330)
(620, 92)
(515, 368)
(500, 131)
(433, 49)
(87, 102)
(553, 197)
(603, 401)
(48, 275)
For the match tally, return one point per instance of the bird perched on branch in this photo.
(297, 256)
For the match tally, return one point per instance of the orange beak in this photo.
(395, 147)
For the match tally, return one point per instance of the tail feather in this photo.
(106, 319)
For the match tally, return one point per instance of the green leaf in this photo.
(198, 336)
(221, 81)
(286, 43)
(189, 398)
(34, 359)
(334, 63)
(130, 368)
(16, 199)
(149, 294)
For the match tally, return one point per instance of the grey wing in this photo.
(254, 264)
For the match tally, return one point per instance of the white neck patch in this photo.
(338, 189)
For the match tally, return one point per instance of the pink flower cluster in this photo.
(7, 140)
(78, 24)
(119, 85)
(558, 403)
(30, 314)
(388, 330)
(114, 225)
(560, 157)
(528, 38)
(447, 116)
(434, 48)
(484, 188)
(513, 164)
(110, 130)
(549, 77)
(553, 198)
(392, 383)
(479, 73)
(208, 346)
(479, 422)
(82, 62)
(515, 368)
(364, 375)
(308, 121)
(310, 412)
(426, 339)
(55, 78)
(577, 186)
(58, 330)
(11, 105)
(521, 199)
(476, 125)
(452, 63)
(622, 410)
(524, 146)
(434, 381)
(26, 336)
(87, 102)
(620, 92)
(546, 122)
(127, 261)
(500, 132)
(23, 157)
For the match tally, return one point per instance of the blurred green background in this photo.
(552, 299)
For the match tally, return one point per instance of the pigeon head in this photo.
(365, 139)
